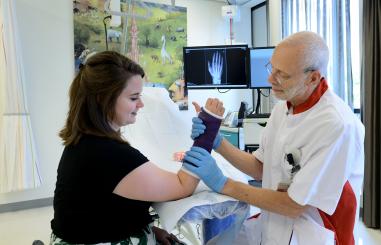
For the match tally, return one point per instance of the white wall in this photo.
(275, 19)
(259, 32)
(274, 16)
(206, 26)
(46, 34)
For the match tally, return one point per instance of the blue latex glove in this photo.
(200, 162)
(198, 128)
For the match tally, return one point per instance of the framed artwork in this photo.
(151, 34)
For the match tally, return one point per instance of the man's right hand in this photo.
(198, 127)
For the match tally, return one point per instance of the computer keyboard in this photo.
(258, 115)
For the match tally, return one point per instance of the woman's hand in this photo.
(163, 237)
(214, 106)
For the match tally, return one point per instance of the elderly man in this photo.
(310, 159)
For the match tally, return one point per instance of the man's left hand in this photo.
(200, 162)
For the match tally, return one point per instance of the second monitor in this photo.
(259, 57)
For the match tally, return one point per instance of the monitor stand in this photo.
(255, 113)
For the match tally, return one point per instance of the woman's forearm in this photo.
(188, 182)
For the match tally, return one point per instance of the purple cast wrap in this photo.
(212, 124)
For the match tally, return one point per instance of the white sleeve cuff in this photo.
(189, 172)
(258, 154)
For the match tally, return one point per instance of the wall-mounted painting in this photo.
(151, 34)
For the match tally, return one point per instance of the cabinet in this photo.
(247, 138)
(234, 135)
(252, 129)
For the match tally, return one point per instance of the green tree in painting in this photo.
(146, 33)
(90, 32)
(81, 33)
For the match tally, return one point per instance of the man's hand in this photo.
(201, 163)
(198, 127)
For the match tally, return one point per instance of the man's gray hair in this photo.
(315, 53)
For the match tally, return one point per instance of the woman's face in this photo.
(128, 103)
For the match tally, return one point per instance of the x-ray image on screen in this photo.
(216, 67)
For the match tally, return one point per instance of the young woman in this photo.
(105, 186)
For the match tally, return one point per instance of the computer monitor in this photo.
(224, 67)
(259, 57)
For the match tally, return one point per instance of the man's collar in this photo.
(312, 100)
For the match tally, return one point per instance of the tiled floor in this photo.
(23, 227)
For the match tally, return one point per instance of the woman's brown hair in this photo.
(93, 94)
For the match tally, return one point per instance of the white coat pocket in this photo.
(250, 233)
(309, 232)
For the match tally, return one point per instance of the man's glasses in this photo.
(282, 78)
(276, 74)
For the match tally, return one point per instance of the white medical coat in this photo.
(330, 139)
